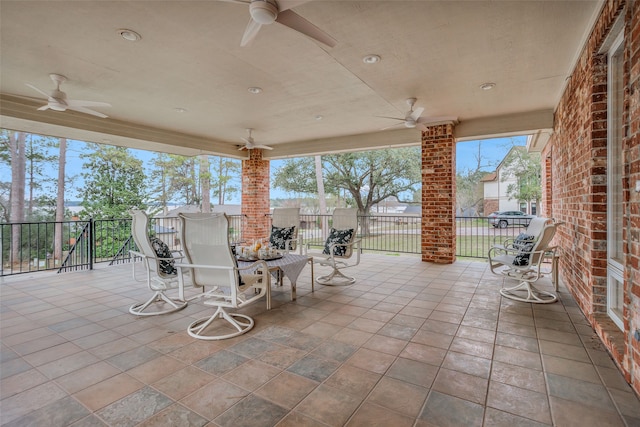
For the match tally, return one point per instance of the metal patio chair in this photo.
(161, 275)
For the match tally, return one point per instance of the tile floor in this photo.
(410, 344)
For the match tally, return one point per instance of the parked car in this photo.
(504, 219)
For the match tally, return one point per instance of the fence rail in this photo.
(29, 247)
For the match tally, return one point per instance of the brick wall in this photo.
(576, 165)
(438, 195)
(255, 196)
(491, 205)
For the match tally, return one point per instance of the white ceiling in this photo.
(190, 57)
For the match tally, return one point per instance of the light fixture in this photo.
(263, 12)
(255, 90)
(129, 35)
(371, 59)
(318, 117)
(180, 110)
(487, 86)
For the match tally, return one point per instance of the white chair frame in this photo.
(343, 219)
(501, 262)
(288, 217)
(157, 281)
(205, 239)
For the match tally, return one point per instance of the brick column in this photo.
(438, 242)
(255, 196)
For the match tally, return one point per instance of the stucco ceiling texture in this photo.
(189, 58)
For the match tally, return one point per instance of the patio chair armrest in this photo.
(181, 265)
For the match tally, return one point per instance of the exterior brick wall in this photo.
(255, 196)
(438, 195)
(575, 192)
(491, 205)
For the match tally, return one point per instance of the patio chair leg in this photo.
(336, 278)
(533, 294)
(139, 308)
(197, 328)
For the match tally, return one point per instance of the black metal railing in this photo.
(28, 247)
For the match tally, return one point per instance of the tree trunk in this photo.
(62, 160)
(324, 227)
(205, 183)
(18, 164)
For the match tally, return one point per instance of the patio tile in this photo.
(252, 411)
(135, 407)
(449, 411)
(183, 382)
(329, 405)
(373, 415)
(331, 358)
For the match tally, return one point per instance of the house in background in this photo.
(495, 185)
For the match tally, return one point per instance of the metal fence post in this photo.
(91, 242)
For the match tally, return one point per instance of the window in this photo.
(615, 252)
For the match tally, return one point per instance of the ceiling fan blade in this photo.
(79, 103)
(37, 90)
(264, 147)
(43, 108)
(237, 1)
(242, 148)
(421, 127)
(394, 118)
(87, 111)
(393, 126)
(435, 120)
(296, 22)
(290, 4)
(415, 115)
(250, 32)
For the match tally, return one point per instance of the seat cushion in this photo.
(161, 249)
(522, 239)
(338, 237)
(522, 258)
(279, 236)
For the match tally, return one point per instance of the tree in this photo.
(224, 172)
(113, 182)
(469, 194)
(526, 168)
(367, 177)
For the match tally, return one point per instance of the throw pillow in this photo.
(522, 258)
(161, 249)
(338, 237)
(522, 239)
(279, 237)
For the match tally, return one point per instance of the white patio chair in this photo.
(531, 233)
(158, 261)
(340, 248)
(212, 264)
(523, 262)
(285, 226)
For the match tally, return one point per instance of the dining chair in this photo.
(161, 273)
(523, 262)
(341, 248)
(212, 265)
(285, 227)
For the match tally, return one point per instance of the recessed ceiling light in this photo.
(318, 117)
(180, 110)
(371, 59)
(129, 35)
(255, 89)
(487, 86)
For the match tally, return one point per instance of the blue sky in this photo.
(492, 152)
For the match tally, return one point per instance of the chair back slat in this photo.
(205, 239)
(140, 234)
(346, 219)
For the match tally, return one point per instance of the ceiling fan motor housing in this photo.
(264, 12)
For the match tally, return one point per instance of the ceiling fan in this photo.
(413, 120)
(249, 143)
(57, 100)
(265, 12)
